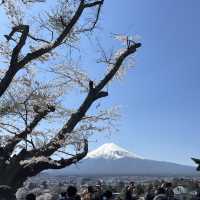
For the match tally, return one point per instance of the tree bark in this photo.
(12, 177)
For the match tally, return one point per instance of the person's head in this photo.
(98, 187)
(90, 189)
(168, 185)
(108, 194)
(132, 183)
(63, 194)
(150, 187)
(30, 197)
(161, 190)
(71, 191)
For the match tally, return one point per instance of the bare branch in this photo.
(42, 163)
(38, 39)
(14, 67)
(34, 55)
(24, 29)
(130, 50)
(94, 23)
(21, 136)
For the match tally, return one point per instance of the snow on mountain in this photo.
(111, 151)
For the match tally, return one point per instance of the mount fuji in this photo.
(110, 159)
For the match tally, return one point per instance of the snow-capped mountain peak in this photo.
(111, 151)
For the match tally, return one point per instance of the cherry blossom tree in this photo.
(37, 129)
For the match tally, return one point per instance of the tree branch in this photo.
(14, 67)
(93, 94)
(43, 163)
(130, 50)
(95, 3)
(24, 30)
(38, 39)
(34, 55)
(21, 136)
(99, 4)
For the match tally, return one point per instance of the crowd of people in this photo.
(161, 192)
(72, 194)
(165, 191)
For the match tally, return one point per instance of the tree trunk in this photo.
(12, 178)
(6, 193)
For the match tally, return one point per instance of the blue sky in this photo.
(161, 95)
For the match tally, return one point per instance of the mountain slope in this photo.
(110, 159)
